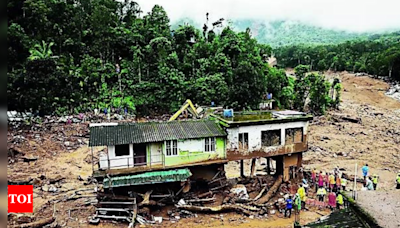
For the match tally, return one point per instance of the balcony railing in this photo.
(130, 162)
(151, 161)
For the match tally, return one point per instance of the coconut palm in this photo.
(42, 51)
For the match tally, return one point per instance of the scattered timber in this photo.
(271, 191)
(36, 224)
(247, 210)
(207, 200)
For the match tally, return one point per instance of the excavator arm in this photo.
(187, 105)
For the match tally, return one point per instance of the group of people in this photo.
(328, 185)
(370, 182)
(297, 203)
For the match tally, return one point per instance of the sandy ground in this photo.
(375, 141)
(387, 211)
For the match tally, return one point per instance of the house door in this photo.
(156, 153)
(140, 155)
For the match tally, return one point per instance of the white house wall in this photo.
(254, 132)
(191, 145)
(116, 162)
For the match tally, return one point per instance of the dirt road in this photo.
(383, 205)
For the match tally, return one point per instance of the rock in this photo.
(177, 217)
(325, 138)
(45, 188)
(286, 196)
(67, 143)
(53, 188)
(36, 182)
(272, 212)
(181, 202)
(158, 219)
(251, 217)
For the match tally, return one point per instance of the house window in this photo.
(271, 138)
(171, 148)
(209, 145)
(122, 150)
(293, 135)
(243, 141)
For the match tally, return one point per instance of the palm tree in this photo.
(42, 51)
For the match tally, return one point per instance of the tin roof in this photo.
(148, 178)
(153, 132)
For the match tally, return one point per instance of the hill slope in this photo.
(282, 33)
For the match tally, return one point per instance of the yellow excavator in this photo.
(188, 105)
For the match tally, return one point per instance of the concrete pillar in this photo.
(241, 168)
(269, 166)
(253, 167)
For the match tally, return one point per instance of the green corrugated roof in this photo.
(148, 178)
(153, 132)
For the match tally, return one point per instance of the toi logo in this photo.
(20, 198)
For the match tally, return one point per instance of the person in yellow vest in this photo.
(398, 181)
(339, 201)
(302, 194)
(375, 180)
(331, 182)
(343, 183)
(321, 193)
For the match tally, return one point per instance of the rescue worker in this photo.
(339, 201)
(327, 180)
(320, 181)
(289, 205)
(338, 183)
(302, 194)
(369, 184)
(321, 193)
(375, 180)
(343, 183)
(297, 203)
(305, 185)
(331, 182)
(314, 176)
(365, 170)
(332, 200)
(398, 180)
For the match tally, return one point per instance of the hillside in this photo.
(279, 33)
(282, 33)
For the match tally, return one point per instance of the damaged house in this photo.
(155, 162)
(277, 135)
(201, 147)
(157, 152)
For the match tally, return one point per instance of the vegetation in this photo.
(379, 55)
(285, 33)
(71, 56)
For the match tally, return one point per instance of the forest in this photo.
(73, 56)
(378, 55)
